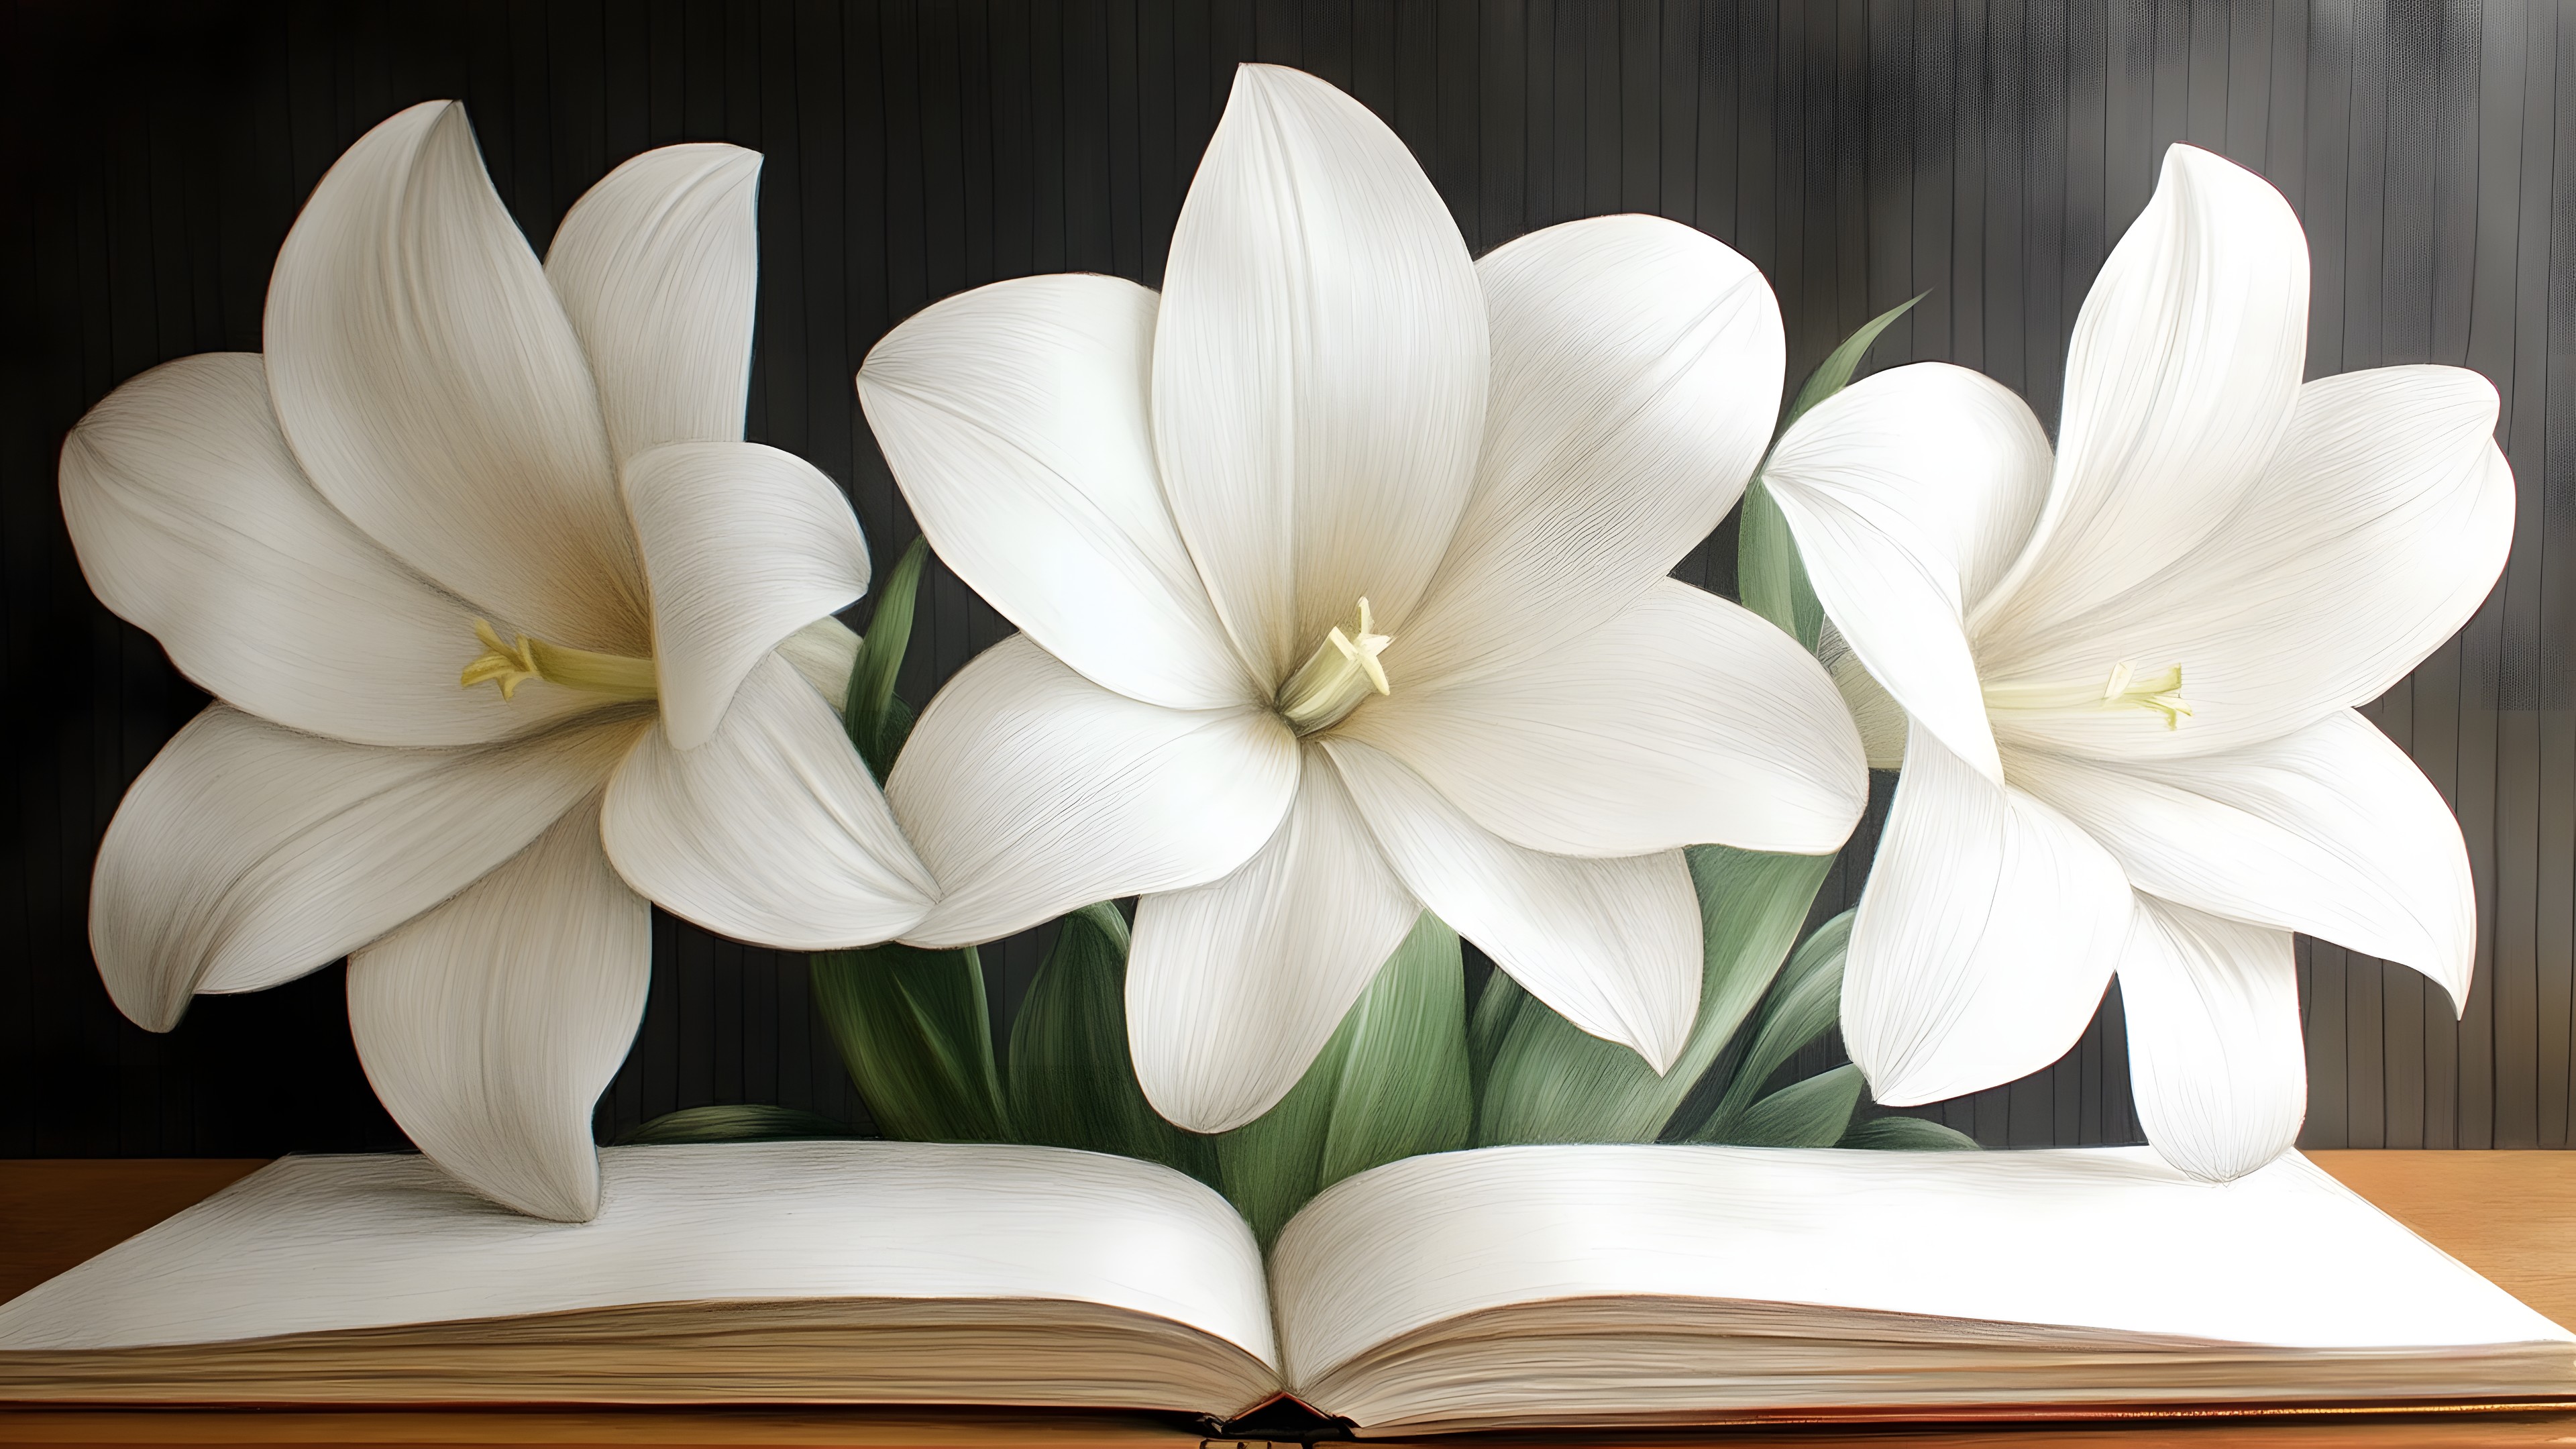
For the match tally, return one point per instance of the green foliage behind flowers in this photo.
(1551, 1082)
(1768, 573)
(1413, 1068)
(734, 1122)
(1391, 1083)
(917, 1037)
(1071, 1084)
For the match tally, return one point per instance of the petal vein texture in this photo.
(1985, 936)
(2216, 1062)
(435, 392)
(2380, 526)
(657, 267)
(1014, 416)
(490, 1024)
(1318, 369)
(1030, 791)
(246, 855)
(1686, 720)
(1908, 492)
(2332, 831)
(1633, 364)
(772, 831)
(193, 521)
(1612, 945)
(2179, 379)
(744, 546)
(1234, 986)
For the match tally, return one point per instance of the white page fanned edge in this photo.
(2109, 1242)
(324, 1244)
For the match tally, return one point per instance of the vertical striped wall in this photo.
(1985, 152)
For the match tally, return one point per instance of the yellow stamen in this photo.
(2124, 689)
(618, 676)
(1342, 671)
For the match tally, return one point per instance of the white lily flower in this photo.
(1342, 566)
(2128, 672)
(484, 577)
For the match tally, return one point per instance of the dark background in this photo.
(1859, 151)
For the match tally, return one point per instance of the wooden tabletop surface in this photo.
(2509, 1215)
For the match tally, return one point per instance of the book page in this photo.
(2108, 1242)
(327, 1244)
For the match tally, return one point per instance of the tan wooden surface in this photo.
(55, 1213)
(2510, 1215)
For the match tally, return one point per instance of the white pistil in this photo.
(2124, 689)
(1340, 673)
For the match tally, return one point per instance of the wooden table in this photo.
(2510, 1215)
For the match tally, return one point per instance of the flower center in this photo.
(2125, 689)
(618, 676)
(1342, 672)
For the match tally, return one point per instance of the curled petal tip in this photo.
(1189, 1116)
(1665, 1046)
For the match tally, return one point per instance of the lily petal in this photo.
(2379, 529)
(825, 652)
(1233, 986)
(490, 1024)
(1319, 369)
(192, 521)
(1015, 418)
(2332, 831)
(1610, 945)
(434, 391)
(246, 855)
(657, 266)
(2216, 1061)
(772, 831)
(1909, 492)
(1686, 719)
(1030, 791)
(1986, 934)
(1634, 363)
(2179, 380)
(744, 545)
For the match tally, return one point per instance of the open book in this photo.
(1509, 1286)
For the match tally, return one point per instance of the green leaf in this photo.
(741, 1122)
(912, 1029)
(1404, 1080)
(1805, 1003)
(892, 731)
(1834, 373)
(1812, 1113)
(1770, 578)
(877, 721)
(1072, 1083)
(1496, 1009)
(1552, 1082)
(1392, 1082)
(1907, 1134)
(1271, 1165)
